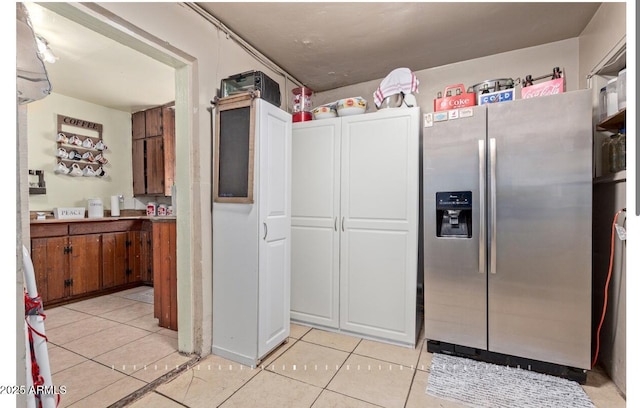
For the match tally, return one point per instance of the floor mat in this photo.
(485, 385)
(145, 296)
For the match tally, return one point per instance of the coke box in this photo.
(461, 100)
(553, 87)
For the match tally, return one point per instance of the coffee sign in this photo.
(85, 124)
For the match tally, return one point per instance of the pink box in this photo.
(553, 87)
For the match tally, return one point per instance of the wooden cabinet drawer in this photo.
(100, 227)
(49, 230)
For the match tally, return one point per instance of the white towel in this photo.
(398, 80)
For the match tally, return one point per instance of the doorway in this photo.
(99, 20)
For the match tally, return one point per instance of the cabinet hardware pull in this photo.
(265, 230)
(335, 223)
(342, 224)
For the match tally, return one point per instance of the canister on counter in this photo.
(170, 210)
(151, 209)
(162, 210)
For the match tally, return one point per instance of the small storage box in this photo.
(68, 213)
(553, 87)
(505, 95)
(462, 100)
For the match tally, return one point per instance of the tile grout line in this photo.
(153, 385)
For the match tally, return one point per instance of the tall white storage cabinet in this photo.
(355, 208)
(252, 248)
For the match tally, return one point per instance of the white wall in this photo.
(606, 29)
(536, 61)
(64, 190)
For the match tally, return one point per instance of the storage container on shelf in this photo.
(602, 104)
(621, 89)
(612, 97)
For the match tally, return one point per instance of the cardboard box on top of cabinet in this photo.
(456, 100)
(553, 87)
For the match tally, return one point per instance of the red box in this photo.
(456, 101)
(553, 87)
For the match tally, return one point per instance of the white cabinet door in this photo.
(379, 220)
(314, 222)
(274, 248)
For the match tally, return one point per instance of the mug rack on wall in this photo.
(80, 155)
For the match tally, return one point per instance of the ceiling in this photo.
(328, 45)
(96, 69)
(323, 45)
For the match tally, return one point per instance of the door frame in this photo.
(194, 334)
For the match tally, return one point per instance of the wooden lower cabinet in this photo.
(77, 260)
(66, 266)
(165, 297)
(114, 259)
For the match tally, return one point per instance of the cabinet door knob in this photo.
(265, 230)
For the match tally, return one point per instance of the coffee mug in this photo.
(62, 138)
(100, 146)
(74, 155)
(61, 168)
(76, 171)
(88, 156)
(62, 153)
(75, 140)
(100, 172)
(88, 171)
(100, 158)
(88, 143)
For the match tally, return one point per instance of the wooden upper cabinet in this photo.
(155, 165)
(138, 167)
(153, 151)
(169, 147)
(138, 125)
(153, 122)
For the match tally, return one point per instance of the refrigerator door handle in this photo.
(492, 204)
(482, 169)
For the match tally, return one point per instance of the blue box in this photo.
(506, 95)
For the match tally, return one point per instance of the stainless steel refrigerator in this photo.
(507, 230)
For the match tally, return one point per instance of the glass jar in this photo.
(301, 99)
(301, 104)
(622, 150)
(613, 153)
(606, 145)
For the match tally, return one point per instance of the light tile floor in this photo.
(103, 354)
(105, 348)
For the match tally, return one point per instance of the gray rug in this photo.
(485, 385)
(145, 296)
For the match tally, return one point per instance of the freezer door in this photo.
(455, 280)
(540, 257)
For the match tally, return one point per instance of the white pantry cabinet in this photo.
(251, 243)
(355, 207)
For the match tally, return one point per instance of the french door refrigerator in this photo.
(507, 224)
